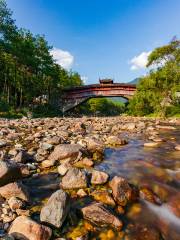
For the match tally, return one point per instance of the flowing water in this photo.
(156, 169)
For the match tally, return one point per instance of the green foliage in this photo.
(27, 69)
(102, 107)
(157, 92)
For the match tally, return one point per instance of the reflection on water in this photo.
(157, 169)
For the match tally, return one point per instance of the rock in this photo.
(99, 215)
(148, 195)
(25, 228)
(165, 127)
(68, 152)
(63, 168)
(81, 193)
(7, 237)
(22, 157)
(74, 178)
(103, 196)
(56, 209)
(46, 146)
(115, 141)
(48, 163)
(151, 144)
(2, 143)
(121, 190)
(177, 147)
(15, 189)
(94, 145)
(15, 203)
(158, 139)
(87, 162)
(99, 177)
(23, 212)
(9, 172)
(54, 140)
(130, 126)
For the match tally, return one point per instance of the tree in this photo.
(157, 91)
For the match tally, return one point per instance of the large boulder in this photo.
(56, 209)
(74, 179)
(99, 177)
(99, 215)
(9, 172)
(121, 190)
(68, 152)
(16, 189)
(25, 228)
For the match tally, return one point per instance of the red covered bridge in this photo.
(106, 88)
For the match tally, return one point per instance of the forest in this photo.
(27, 69)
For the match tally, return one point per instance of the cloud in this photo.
(84, 79)
(140, 61)
(64, 58)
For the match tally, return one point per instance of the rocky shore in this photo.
(82, 202)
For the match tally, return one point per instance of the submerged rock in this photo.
(99, 215)
(121, 190)
(103, 196)
(25, 228)
(115, 141)
(74, 178)
(56, 209)
(151, 144)
(99, 177)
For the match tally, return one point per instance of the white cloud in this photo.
(140, 61)
(84, 79)
(63, 58)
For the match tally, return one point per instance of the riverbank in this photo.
(61, 176)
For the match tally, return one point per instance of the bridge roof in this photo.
(101, 86)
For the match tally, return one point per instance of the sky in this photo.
(101, 38)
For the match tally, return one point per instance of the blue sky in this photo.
(101, 38)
